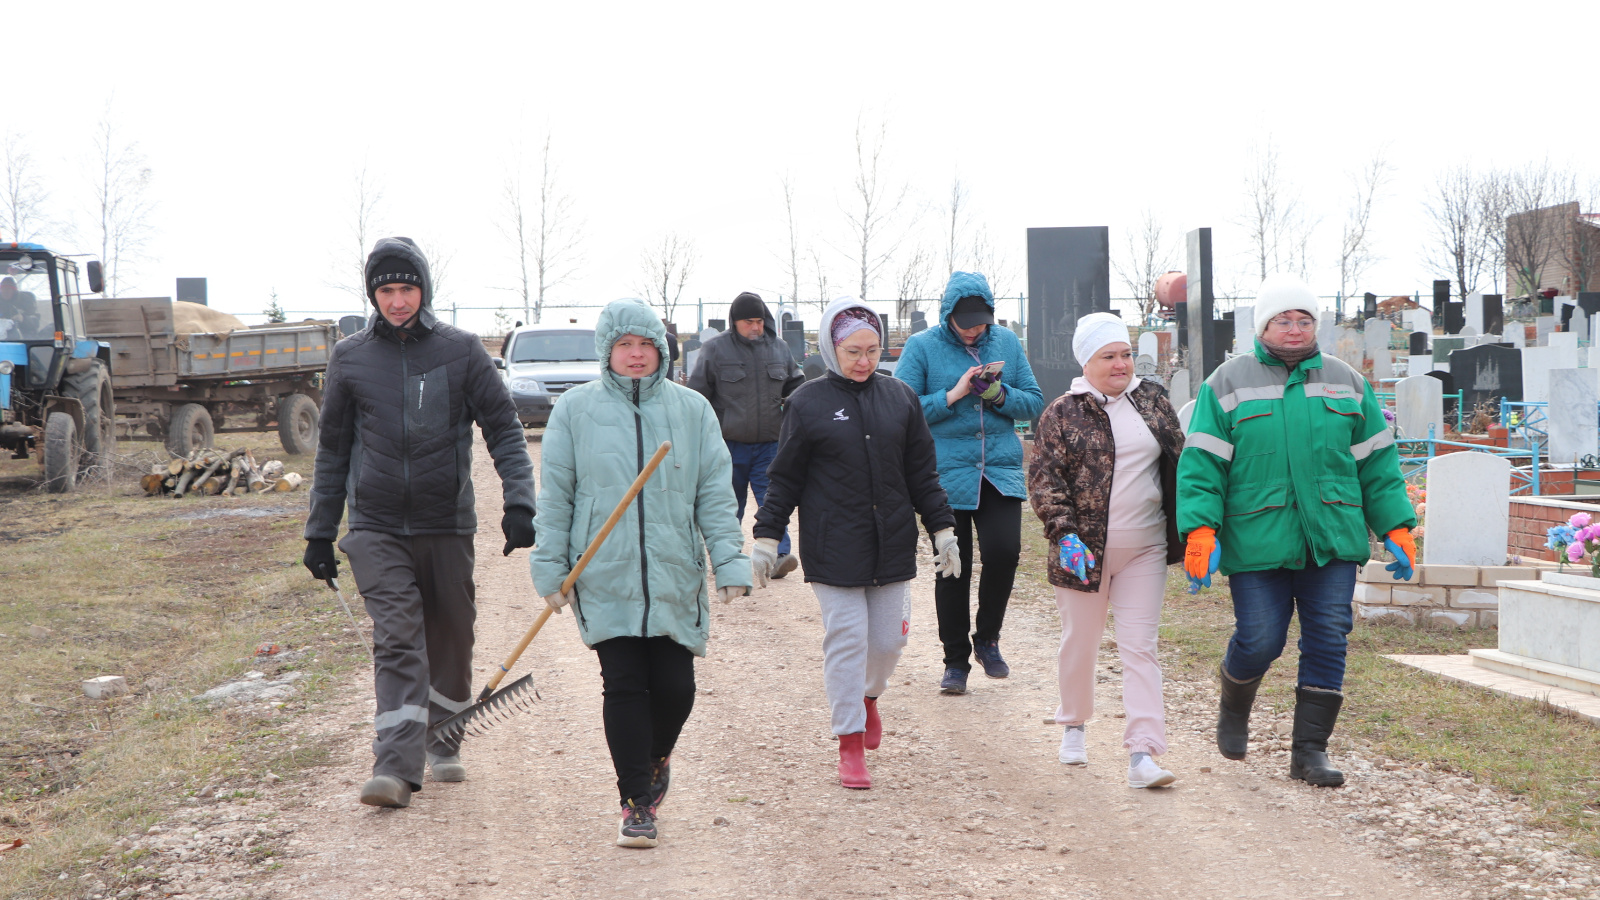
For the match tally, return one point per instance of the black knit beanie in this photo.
(747, 306)
(392, 270)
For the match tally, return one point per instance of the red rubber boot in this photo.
(853, 762)
(874, 733)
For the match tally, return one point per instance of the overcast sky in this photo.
(684, 117)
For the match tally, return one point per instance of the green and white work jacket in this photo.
(1290, 467)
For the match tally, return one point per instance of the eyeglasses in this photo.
(855, 355)
(1284, 323)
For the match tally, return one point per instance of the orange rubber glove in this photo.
(1200, 557)
(1404, 548)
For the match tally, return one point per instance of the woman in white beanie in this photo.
(1103, 483)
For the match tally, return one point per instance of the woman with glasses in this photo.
(855, 456)
(973, 412)
(1287, 464)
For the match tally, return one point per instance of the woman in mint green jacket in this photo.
(641, 603)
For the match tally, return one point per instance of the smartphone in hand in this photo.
(991, 371)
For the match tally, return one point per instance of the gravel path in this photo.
(968, 798)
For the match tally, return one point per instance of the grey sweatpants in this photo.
(420, 595)
(864, 630)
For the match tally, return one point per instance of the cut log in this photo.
(177, 466)
(288, 482)
(152, 483)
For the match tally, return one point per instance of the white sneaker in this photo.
(1148, 775)
(1073, 752)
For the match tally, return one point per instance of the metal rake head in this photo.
(485, 714)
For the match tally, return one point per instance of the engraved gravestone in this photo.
(1203, 347)
(1486, 374)
(1144, 366)
(1571, 416)
(1069, 277)
(1474, 313)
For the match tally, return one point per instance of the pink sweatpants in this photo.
(1131, 585)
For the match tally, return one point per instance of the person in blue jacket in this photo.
(973, 420)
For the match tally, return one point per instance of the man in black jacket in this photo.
(399, 402)
(747, 372)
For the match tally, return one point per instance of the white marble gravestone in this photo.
(1185, 413)
(1469, 510)
(1149, 345)
(1536, 365)
(1376, 345)
(1420, 365)
(1244, 329)
(1565, 343)
(1144, 366)
(1573, 417)
(1578, 326)
(1474, 313)
(1419, 403)
(1543, 326)
(1178, 390)
(1419, 320)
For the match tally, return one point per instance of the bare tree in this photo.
(1356, 255)
(666, 269)
(121, 214)
(1535, 223)
(1455, 211)
(819, 277)
(1494, 201)
(992, 262)
(791, 267)
(1579, 252)
(365, 200)
(545, 238)
(959, 222)
(912, 282)
(874, 208)
(1149, 256)
(439, 262)
(22, 196)
(1278, 230)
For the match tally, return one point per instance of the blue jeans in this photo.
(1262, 605)
(750, 464)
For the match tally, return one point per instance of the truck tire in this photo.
(297, 423)
(61, 452)
(93, 390)
(189, 430)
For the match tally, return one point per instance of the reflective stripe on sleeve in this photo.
(1371, 445)
(393, 717)
(1231, 400)
(444, 702)
(1209, 443)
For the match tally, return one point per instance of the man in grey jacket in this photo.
(399, 402)
(747, 372)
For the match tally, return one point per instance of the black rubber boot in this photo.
(1315, 712)
(1233, 716)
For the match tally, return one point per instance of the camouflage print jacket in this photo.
(1069, 481)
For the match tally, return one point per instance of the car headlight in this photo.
(5, 367)
(525, 385)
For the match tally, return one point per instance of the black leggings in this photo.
(998, 520)
(649, 691)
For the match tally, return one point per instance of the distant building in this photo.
(1555, 247)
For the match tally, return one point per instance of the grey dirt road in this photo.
(968, 800)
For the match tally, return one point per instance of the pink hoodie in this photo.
(1136, 516)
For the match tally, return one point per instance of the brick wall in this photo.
(1532, 517)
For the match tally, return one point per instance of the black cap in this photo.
(971, 311)
(747, 306)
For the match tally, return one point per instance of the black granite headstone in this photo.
(1589, 302)
(1566, 316)
(919, 321)
(1455, 316)
(1419, 343)
(794, 334)
(813, 366)
(1369, 306)
(1448, 386)
(1486, 373)
(1069, 277)
(1494, 314)
(349, 325)
(717, 324)
(1441, 296)
(1180, 311)
(1203, 344)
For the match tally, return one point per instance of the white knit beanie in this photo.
(1095, 331)
(1280, 294)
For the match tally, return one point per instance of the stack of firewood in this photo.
(214, 472)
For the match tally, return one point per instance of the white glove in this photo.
(557, 600)
(946, 554)
(763, 559)
(732, 591)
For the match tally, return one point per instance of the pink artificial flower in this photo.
(1579, 520)
(1575, 551)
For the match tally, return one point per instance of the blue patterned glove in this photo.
(1076, 558)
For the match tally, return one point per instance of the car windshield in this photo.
(25, 303)
(554, 346)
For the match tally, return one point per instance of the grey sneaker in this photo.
(787, 563)
(446, 768)
(386, 790)
(638, 826)
(955, 682)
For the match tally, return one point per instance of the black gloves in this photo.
(518, 527)
(320, 560)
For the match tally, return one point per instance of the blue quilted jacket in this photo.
(974, 439)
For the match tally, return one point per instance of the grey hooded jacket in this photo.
(397, 414)
(747, 381)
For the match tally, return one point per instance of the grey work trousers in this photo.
(420, 595)
(863, 631)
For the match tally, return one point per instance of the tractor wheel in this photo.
(297, 423)
(189, 430)
(61, 452)
(93, 390)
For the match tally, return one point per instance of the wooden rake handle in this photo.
(583, 561)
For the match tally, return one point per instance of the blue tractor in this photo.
(55, 383)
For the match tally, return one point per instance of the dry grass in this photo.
(1549, 759)
(176, 596)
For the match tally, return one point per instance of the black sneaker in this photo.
(955, 682)
(638, 828)
(988, 654)
(660, 778)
